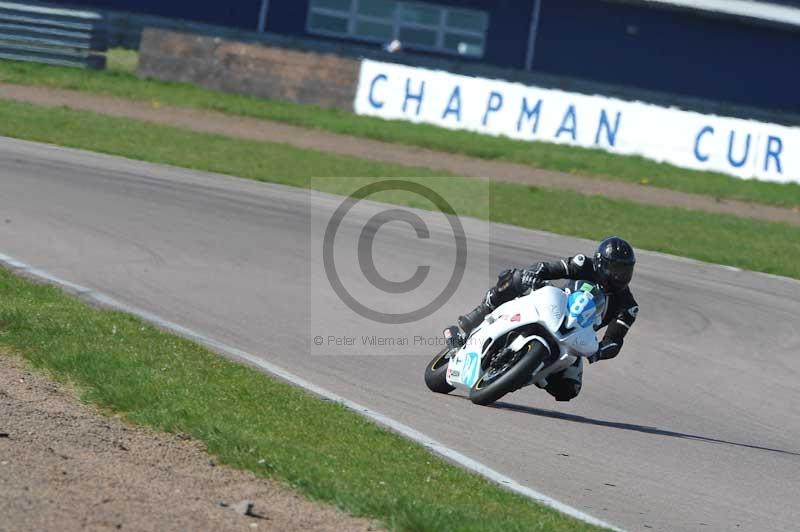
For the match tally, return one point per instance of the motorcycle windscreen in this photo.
(585, 305)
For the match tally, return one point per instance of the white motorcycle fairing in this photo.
(547, 307)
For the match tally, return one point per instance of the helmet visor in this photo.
(618, 274)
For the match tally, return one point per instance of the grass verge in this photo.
(750, 244)
(253, 422)
(120, 81)
(215, 153)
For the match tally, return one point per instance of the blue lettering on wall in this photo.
(571, 119)
(454, 105)
(611, 134)
(740, 162)
(372, 101)
(697, 155)
(774, 149)
(494, 104)
(417, 97)
(527, 113)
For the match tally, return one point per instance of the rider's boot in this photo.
(469, 321)
(455, 338)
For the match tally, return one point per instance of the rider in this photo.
(611, 268)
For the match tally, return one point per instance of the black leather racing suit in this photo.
(621, 309)
(621, 312)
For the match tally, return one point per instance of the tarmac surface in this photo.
(694, 427)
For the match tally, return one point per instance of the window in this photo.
(377, 8)
(329, 23)
(373, 30)
(419, 14)
(415, 25)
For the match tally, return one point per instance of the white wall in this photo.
(743, 148)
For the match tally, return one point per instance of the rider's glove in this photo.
(528, 277)
(607, 349)
(531, 279)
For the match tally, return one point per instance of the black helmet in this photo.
(613, 264)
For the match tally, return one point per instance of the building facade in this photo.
(747, 58)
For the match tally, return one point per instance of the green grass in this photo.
(750, 244)
(215, 153)
(120, 81)
(254, 422)
(122, 60)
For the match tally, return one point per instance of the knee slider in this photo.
(564, 389)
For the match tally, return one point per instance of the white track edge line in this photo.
(434, 446)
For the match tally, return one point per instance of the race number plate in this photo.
(465, 369)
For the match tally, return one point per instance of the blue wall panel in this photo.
(670, 51)
(287, 17)
(508, 32)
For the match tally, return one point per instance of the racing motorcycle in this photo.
(521, 343)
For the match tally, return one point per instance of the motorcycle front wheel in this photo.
(436, 373)
(508, 376)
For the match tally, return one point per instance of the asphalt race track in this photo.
(695, 426)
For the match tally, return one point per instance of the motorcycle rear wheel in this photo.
(436, 373)
(490, 388)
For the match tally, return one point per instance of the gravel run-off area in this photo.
(65, 466)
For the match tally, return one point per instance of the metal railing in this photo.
(51, 35)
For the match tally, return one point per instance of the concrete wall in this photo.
(268, 72)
